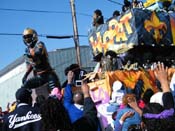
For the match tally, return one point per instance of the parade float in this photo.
(125, 49)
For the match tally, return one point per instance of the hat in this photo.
(157, 98)
(72, 67)
(98, 12)
(116, 13)
(23, 95)
(117, 85)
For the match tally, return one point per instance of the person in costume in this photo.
(37, 60)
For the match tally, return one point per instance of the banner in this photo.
(153, 28)
(172, 20)
(116, 33)
(101, 90)
(132, 28)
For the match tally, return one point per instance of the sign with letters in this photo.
(132, 28)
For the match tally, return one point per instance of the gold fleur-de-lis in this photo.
(156, 25)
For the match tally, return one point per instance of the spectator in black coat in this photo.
(24, 117)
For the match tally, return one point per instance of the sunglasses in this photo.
(28, 36)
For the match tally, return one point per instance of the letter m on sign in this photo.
(99, 91)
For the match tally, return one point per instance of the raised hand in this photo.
(85, 90)
(161, 74)
(70, 77)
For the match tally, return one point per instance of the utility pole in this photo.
(75, 29)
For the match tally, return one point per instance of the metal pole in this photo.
(75, 29)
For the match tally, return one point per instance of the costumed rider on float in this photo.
(36, 57)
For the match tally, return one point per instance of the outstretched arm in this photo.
(68, 96)
(90, 111)
(134, 105)
(161, 74)
(119, 123)
(29, 69)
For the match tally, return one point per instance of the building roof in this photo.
(11, 66)
(21, 60)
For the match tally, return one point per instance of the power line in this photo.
(10, 34)
(82, 35)
(16, 34)
(43, 11)
(63, 37)
(115, 2)
(41, 35)
(59, 37)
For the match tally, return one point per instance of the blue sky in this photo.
(12, 47)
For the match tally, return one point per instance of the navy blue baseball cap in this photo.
(23, 95)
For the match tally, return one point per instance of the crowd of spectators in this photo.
(77, 111)
(74, 109)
